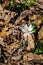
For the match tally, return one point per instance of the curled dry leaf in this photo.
(22, 15)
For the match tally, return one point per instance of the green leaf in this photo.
(38, 51)
(42, 20)
(11, 2)
(27, 4)
(32, 2)
(25, 43)
(23, 7)
(33, 25)
(33, 31)
(18, 6)
(40, 44)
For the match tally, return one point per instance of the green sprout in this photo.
(38, 51)
(11, 2)
(42, 20)
(25, 43)
(18, 6)
(24, 5)
(32, 2)
(29, 3)
(40, 44)
(34, 29)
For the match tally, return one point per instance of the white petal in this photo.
(23, 30)
(25, 34)
(26, 26)
(30, 27)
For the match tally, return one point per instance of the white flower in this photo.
(27, 30)
(31, 27)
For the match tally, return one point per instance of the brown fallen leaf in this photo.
(22, 15)
(12, 47)
(40, 33)
(31, 43)
(33, 57)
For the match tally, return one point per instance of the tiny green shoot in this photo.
(25, 43)
(42, 20)
(32, 2)
(11, 2)
(38, 51)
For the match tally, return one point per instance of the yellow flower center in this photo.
(27, 30)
